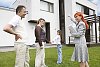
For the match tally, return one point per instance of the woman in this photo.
(40, 42)
(80, 53)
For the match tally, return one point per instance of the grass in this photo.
(7, 59)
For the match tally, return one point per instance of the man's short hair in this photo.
(19, 8)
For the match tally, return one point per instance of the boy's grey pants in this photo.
(22, 55)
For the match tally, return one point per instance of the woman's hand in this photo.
(70, 18)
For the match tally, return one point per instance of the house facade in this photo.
(55, 12)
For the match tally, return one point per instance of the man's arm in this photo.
(9, 29)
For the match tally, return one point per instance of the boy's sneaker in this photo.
(58, 62)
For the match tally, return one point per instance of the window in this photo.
(80, 8)
(51, 8)
(91, 12)
(46, 6)
(84, 9)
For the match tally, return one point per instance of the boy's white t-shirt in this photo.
(56, 40)
(19, 28)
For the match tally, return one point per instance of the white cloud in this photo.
(94, 1)
(98, 5)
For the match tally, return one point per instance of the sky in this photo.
(6, 3)
(98, 6)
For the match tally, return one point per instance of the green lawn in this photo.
(7, 59)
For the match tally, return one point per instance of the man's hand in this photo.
(17, 36)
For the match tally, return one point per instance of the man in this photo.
(17, 28)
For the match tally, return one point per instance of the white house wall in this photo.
(5, 38)
(94, 32)
(52, 18)
(34, 13)
(98, 31)
(35, 9)
(68, 12)
(91, 6)
(8, 39)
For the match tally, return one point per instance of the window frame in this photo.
(82, 6)
(49, 4)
